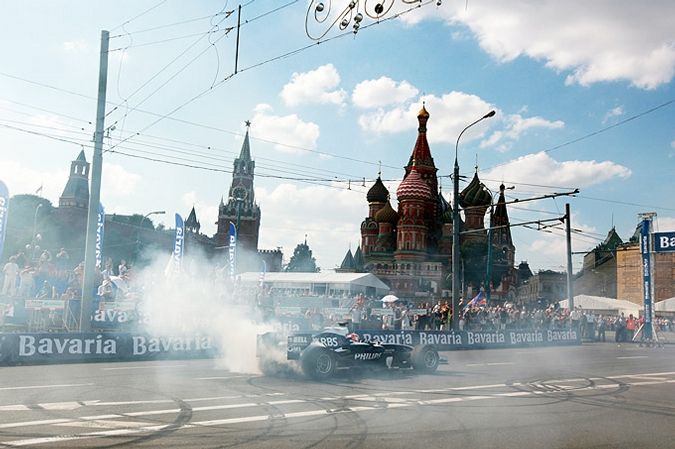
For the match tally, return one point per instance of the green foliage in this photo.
(302, 260)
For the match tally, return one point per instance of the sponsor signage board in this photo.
(664, 242)
(28, 348)
(448, 341)
(45, 304)
(17, 348)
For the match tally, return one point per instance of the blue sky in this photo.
(554, 71)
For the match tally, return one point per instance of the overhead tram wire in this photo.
(201, 125)
(231, 75)
(202, 35)
(152, 78)
(595, 133)
(139, 15)
(170, 39)
(48, 111)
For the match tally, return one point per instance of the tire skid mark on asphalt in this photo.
(394, 404)
(97, 403)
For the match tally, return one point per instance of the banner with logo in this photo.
(4, 210)
(233, 250)
(645, 227)
(100, 224)
(25, 347)
(448, 341)
(179, 244)
(664, 242)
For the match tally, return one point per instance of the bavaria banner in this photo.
(233, 250)
(178, 244)
(646, 277)
(27, 348)
(100, 224)
(449, 341)
(4, 210)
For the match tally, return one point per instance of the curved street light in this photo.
(140, 227)
(455, 229)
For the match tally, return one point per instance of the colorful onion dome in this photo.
(387, 214)
(378, 193)
(413, 187)
(475, 194)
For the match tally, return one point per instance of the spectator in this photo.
(11, 271)
(631, 326)
(602, 325)
(105, 290)
(26, 282)
(122, 268)
(45, 291)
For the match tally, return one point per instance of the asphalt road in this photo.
(593, 396)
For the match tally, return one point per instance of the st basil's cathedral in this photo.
(411, 248)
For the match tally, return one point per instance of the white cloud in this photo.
(603, 40)
(117, 182)
(291, 211)
(540, 168)
(449, 114)
(516, 125)
(289, 129)
(614, 112)
(382, 92)
(316, 86)
(21, 179)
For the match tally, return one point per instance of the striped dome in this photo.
(378, 193)
(387, 214)
(413, 187)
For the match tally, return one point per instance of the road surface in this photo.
(598, 395)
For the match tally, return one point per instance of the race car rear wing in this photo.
(296, 343)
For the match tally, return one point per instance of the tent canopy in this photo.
(600, 303)
(354, 282)
(667, 305)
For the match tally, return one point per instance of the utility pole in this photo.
(236, 51)
(94, 191)
(568, 233)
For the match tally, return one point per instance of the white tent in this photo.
(667, 305)
(604, 305)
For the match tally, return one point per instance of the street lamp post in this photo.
(140, 227)
(455, 229)
(34, 236)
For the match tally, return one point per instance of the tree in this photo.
(302, 260)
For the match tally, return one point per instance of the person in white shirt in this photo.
(11, 271)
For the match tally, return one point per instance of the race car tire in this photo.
(425, 359)
(318, 363)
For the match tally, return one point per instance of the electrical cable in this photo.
(139, 15)
(594, 133)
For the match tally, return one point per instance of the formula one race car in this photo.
(320, 355)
